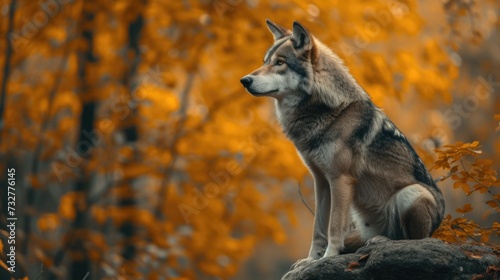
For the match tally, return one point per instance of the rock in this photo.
(405, 259)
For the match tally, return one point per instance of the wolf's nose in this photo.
(246, 81)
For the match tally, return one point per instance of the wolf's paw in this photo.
(377, 240)
(302, 262)
(331, 251)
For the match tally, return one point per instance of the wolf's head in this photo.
(298, 66)
(287, 64)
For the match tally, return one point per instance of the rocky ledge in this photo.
(406, 259)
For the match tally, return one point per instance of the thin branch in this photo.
(479, 183)
(467, 233)
(450, 229)
(41, 272)
(479, 228)
(304, 201)
(442, 178)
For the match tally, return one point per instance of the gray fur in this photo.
(369, 181)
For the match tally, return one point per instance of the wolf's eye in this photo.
(280, 62)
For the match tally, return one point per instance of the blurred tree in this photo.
(138, 152)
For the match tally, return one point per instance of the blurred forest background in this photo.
(139, 155)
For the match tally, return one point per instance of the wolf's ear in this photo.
(301, 38)
(278, 31)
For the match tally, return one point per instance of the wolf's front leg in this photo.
(341, 189)
(321, 216)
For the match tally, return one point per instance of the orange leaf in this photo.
(352, 266)
(465, 209)
(48, 222)
(492, 203)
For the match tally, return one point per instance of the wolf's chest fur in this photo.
(309, 125)
(312, 124)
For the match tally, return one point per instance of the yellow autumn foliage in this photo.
(140, 154)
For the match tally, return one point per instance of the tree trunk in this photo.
(76, 238)
(129, 124)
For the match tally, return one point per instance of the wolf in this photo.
(369, 183)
